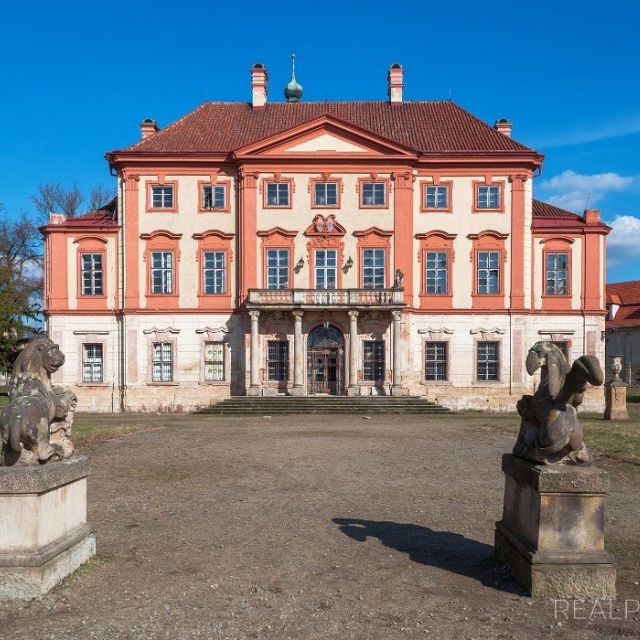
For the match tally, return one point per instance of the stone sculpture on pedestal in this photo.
(44, 534)
(551, 535)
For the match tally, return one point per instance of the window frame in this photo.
(281, 363)
(173, 269)
(554, 252)
(375, 362)
(164, 183)
(499, 292)
(477, 362)
(225, 184)
(222, 363)
(386, 190)
(447, 253)
(325, 180)
(265, 193)
(288, 267)
(326, 268)
(501, 196)
(385, 270)
(224, 269)
(425, 362)
(153, 361)
(81, 292)
(424, 185)
(101, 363)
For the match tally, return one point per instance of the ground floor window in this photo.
(435, 361)
(214, 361)
(162, 366)
(488, 361)
(373, 361)
(92, 363)
(564, 347)
(278, 360)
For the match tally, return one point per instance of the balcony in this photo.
(389, 299)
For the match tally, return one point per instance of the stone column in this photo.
(396, 381)
(254, 389)
(298, 356)
(353, 389)
(615, 394)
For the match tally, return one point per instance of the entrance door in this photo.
(325, 361)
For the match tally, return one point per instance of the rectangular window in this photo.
(557, 274)
(278, 360)
(91, 274)
(374, 194)
(162, 365)
(161, 272)
(435, 361)
(488, 272)
(373, 276)
(214, 271)
(487, 197)
(436, 197)
(373, 363)
(326, 268)
(277, 194)
(436, 272)
(162, 196)
(214, 361)
(325, 194)
(214, 196)
(488, 361)
(92, 363)
(277, 268)
(564, 347)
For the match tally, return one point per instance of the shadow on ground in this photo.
(442, 549)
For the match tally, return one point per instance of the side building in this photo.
(623, 327)
(349, 248)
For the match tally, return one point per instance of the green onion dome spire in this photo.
(293, 91)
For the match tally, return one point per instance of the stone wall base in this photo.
(44, 534)
(551, 536)
(24, 583)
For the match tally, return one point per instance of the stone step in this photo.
(330, 405)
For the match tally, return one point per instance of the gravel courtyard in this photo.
(307, 527)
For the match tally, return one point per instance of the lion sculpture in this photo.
(36, 424)
(550, 430)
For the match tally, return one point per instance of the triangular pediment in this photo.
(324, 136)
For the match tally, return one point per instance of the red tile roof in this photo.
(627, 295)
(427, 127)
(102, 218)
(546, 210)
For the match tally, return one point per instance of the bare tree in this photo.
(99, 196)
(20, 282)
(53, 197)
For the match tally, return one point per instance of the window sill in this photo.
(163, 210)
(212, 210)
(214, 383)
(97, 385)
(91, 296)
(443, 210)
(556, 296)
(163, 384)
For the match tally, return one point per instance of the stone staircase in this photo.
(330, 405)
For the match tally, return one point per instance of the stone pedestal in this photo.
(551, 535)
(298, 391)
(44, 535)
(615, 395)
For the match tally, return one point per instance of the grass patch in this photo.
(4, 400)
(633, 395)
(84, 433)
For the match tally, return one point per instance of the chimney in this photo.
(57, 218)
(396, 83)
(592, 216)
(503, 126)
(259, 79)
(148, 127)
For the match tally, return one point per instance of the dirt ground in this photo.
(308, 527)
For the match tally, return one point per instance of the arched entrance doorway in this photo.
(325, 360)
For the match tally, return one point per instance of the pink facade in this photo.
(346, 248)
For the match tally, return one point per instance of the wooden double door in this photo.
(325, 361)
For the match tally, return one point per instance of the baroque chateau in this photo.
(299, 248)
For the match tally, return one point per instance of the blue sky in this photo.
(77, 77)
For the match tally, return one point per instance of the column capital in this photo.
(397, 315)
(297, 314)
(353, 314)
(518, 180)
(254, 314)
